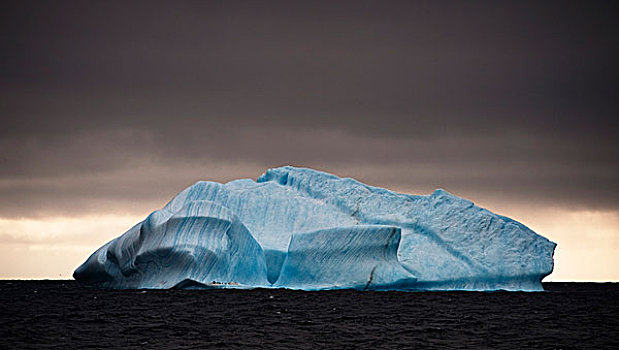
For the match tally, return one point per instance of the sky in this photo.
(108, 109)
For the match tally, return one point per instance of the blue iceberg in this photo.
(305, 229)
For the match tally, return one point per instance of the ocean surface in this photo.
(64, 315)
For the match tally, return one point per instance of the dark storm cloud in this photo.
(102, 101)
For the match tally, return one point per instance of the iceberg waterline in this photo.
(305, 229)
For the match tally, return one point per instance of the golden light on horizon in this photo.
(52, 247)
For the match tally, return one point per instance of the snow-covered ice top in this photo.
(305, 229)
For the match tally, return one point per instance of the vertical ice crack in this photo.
(367, 285)
(355, 213)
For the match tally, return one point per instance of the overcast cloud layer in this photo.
(116, 106)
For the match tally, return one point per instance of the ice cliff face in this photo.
(360, 257)
(305, 229)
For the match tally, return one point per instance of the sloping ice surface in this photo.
(305, 229)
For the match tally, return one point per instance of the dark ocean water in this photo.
(64, 315)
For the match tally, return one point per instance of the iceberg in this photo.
(305, 229)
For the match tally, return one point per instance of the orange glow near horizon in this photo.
(51, 248)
